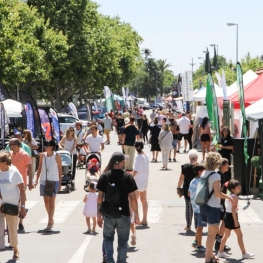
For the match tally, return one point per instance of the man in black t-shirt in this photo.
(115, 176)
(129, 136)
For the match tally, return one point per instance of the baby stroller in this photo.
(92, 177)
(68, 169)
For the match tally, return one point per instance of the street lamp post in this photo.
(233, 24)
(215, 45)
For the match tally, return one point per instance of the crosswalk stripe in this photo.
(246, 214)
(62, 211)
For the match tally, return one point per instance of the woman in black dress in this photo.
(226, 148)
(155, 147)
(144, 128)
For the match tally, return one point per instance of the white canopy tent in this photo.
(200, 96)
(247, 78)
(13, 108)
(255, 111)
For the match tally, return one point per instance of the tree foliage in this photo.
(65, 47)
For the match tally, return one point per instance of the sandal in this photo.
(213, 260)
(133, 240)
(48, 229)
(16, 256)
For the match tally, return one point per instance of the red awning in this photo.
(253, 91)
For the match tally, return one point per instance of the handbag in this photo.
(49, 188)
(9, 209)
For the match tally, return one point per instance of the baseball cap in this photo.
(118, 157)
(93, 160)
(18, 133)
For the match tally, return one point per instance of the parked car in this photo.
(141, 102)
(66, 120)
(96, 116)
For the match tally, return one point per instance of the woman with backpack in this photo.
(210, 208)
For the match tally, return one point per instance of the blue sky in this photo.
(180, 30)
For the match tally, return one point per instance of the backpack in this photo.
(112, 204)
(202, 191)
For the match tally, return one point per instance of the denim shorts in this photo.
(199, 220)
(174, 142)
(210, 215)
(42, 187)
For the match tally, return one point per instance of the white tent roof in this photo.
(255, 111)
(13, 108)
(200, 96)
(247, 78)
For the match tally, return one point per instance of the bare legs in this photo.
(239, 239)
(50, 207)
(155, 155)
(143, 198)
(205, 147)
(94, 223)
(212, 231)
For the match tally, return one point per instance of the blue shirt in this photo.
(192, 191)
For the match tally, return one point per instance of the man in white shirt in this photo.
(79, 131)
(107, 127)
(184, 125)
(94, 142)
(153, 115)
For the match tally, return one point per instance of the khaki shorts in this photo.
(107, 131)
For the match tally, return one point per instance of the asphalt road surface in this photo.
(163, 240)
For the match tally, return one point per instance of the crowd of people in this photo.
(124, 181)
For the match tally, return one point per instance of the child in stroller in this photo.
(93, 169)
(82, 153)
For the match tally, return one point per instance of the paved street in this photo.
(164, 240)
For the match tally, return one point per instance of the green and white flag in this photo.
(240, 89)
(212, 108)
(108, 98)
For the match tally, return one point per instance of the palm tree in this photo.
(162, 67)
(147, 52)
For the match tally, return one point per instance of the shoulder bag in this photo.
(49, 188)
(162, 138)
(9, 209)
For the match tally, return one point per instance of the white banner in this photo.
(223, 83)
(187, 85)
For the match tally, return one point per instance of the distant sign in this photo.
(187, 86)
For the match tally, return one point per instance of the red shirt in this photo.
(111, 114)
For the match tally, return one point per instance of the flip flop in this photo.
(48, 229)
(16, 257)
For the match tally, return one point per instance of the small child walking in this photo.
(197, 244)
(90, 207)
(231, 221)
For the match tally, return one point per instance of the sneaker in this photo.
(194, 244)
(227, 248)
(222, 254)
(200, 249)
(184, 151)
(104, 259)
(247, 255)
(21, 227)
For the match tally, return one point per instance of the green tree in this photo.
(162, 67)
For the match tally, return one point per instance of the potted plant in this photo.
(255, 162)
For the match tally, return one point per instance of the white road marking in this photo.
(62, 211)
(246, 214)
(30, 204)
(78, 256)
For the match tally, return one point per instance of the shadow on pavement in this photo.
(232, 260)
(132, 249)
(141, 227)
(187, 233)
(43, 232)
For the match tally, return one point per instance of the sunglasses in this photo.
(11, 144)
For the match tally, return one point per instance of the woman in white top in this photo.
(49, 168)
(69, 141)
(210, 212)
(12, 192)
(31, 142)
(141, 175)
(165, 140)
